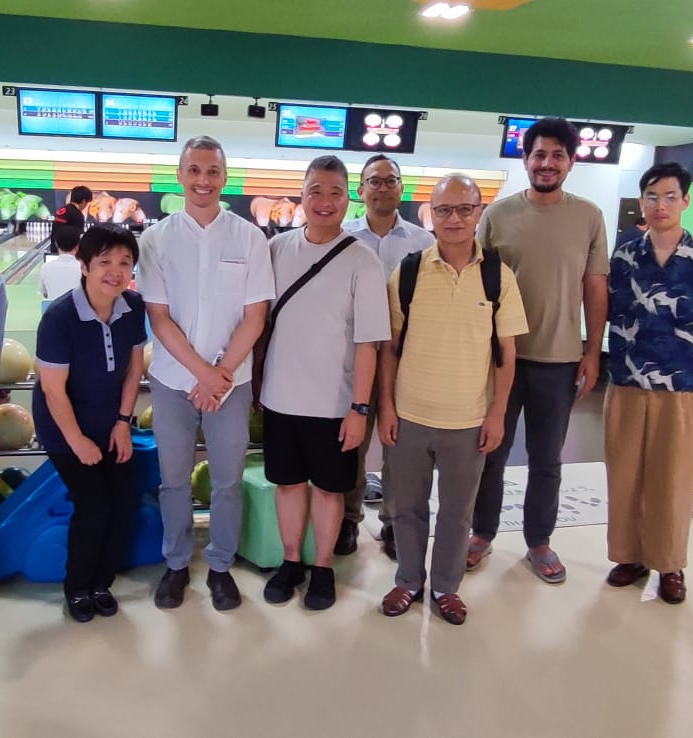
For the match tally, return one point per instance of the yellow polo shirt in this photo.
(445, 377)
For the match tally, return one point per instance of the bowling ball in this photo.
(201, 483)
(15, 362)
(147, 358)
(145, 419)
(16, 427)
(256, 421)
(200, 437)
(13, 476)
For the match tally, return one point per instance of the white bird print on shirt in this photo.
(650, 300)
(684, 335)
(636, 374)
(627, 257)
(627, 334)
(656, 377)
(685, 252)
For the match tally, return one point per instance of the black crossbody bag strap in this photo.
(290, 291)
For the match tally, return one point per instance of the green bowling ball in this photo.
(201, 483)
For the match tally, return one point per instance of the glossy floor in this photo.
(579, 660)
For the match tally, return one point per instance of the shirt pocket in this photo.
(231, 276)
(480, 320)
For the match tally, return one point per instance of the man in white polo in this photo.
(206, 278)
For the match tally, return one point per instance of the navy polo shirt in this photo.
(71, 336)
(651, 317)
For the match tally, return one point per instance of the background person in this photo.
(89, 353)
(72, 213)
(64, 273)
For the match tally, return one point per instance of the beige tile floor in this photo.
(533, 660)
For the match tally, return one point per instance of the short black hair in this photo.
(80, 194)
(328, 163)
(67, 237)
(104, 237)
(379, 157)
(664, 170)
(558, 128)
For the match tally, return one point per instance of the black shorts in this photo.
(301, 449)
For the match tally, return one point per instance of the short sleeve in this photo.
(259, 285)
(598, 257)
(54, 343)
(150, 276)
(371, 320)
(396, 315)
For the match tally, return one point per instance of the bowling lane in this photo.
(17, 247)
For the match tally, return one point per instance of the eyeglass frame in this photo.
(382, 180)
(456, 208)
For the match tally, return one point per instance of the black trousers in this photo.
(546, 392)
(99, 534)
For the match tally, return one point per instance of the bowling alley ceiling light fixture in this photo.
(455, 11)
(446, 11)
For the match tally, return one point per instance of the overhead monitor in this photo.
(310, 126)
(513, 133)
(600, 143)
(139, 117)
(377, 129)
(42, 112)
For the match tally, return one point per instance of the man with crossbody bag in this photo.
(318, 375)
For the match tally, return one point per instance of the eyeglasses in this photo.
(375, 183)
(654, 200)
(463, 211)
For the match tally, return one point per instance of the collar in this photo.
(361, 224)
(85, 312)
(194, 224)
(478, 253)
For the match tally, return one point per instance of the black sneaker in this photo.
(280, 587)
(225, 594)
(171, 589)
(346, 542)
(387, 533)
(80, 606)
(104, 602)
(320, 594)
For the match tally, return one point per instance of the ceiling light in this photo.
(446, 11)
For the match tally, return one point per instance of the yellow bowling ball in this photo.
(147, 358)
(16, 427)
(15, 362)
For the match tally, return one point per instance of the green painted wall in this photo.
(121, 56)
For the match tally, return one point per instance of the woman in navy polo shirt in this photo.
(89, 352)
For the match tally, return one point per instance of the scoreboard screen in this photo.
(140, 117)
(56, 112)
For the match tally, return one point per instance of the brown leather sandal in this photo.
(398, 600)
(451, 608)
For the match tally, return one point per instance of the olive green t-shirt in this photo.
(549, 248)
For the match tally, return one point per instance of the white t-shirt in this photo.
(59, 276)
(309, 367)
(206, 276)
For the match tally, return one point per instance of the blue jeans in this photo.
(546, 392)
(226, 437)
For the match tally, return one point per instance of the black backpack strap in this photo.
(491, 278)
(408, 272)
(306, 277)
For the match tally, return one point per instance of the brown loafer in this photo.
(624, 574)
(672, 588)
(398, 600)
(451, 608)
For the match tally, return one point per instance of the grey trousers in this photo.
(226, 436)
(411, 460)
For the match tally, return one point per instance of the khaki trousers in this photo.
(649, 464)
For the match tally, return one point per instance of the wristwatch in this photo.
(125, 418)
(361, 408)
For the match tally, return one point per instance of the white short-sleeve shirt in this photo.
(309, 369)
(206, 276)
(60, 276)
(404, 238)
